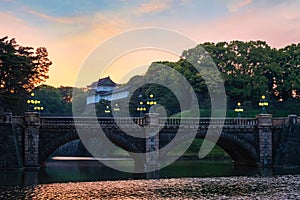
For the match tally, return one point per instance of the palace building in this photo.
(105, 89)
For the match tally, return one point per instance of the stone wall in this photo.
(287, 145)
(11, 146)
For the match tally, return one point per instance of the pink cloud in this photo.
(153, 6)
(279, 26)
(238, 4)
(25, 35)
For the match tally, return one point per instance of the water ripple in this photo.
(281, 187)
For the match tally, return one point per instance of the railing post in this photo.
(152, 145)
(31, 140)
(264, 123)
(292, 119)
(7, 117)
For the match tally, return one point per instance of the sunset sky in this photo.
(71, 29)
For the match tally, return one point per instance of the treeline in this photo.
(248, 69)
(58, 101)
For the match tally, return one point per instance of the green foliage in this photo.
(248, 69)
(251, 69)
(76, 99)
(50, 99)
(103, 106)
(58, 101)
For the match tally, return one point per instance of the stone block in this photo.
(264, 119)
(152, 119)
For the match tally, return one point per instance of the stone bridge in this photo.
(249, 141)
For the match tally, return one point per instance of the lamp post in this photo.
(141, 108)
(151, 101)
(107, 110)
(239, 109)
(263, 104)
(116, 108)
(34, 104)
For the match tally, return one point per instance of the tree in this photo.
(50, 99)
(41, 64)
(78, 101)
(21, 69)
(243, 67)
(289, 84)
(249, 70)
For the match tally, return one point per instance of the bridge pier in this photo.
(152, 145)
(265, 137)
(31, 140)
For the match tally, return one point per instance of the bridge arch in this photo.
(54, 144)
(118, 139)
(241, 151)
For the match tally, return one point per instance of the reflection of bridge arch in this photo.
(120, 140)
(240, 150)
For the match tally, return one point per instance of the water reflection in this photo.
(78, 171)
(59, 171)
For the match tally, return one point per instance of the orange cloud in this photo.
(71, 50)
(68, 40)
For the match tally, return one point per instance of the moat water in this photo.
(184, 179)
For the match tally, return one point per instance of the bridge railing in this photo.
(90, 120)
(280, 121)
(241, 121)
(17, 119)
(207, 121)
(56, 120)
(141, 121)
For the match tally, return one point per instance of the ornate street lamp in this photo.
(34, 104)
(239, 109)
(116, 108)
(141, 108)
(263, 104)
(151, 101)
(107, 110)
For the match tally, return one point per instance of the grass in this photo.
(193, 151)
